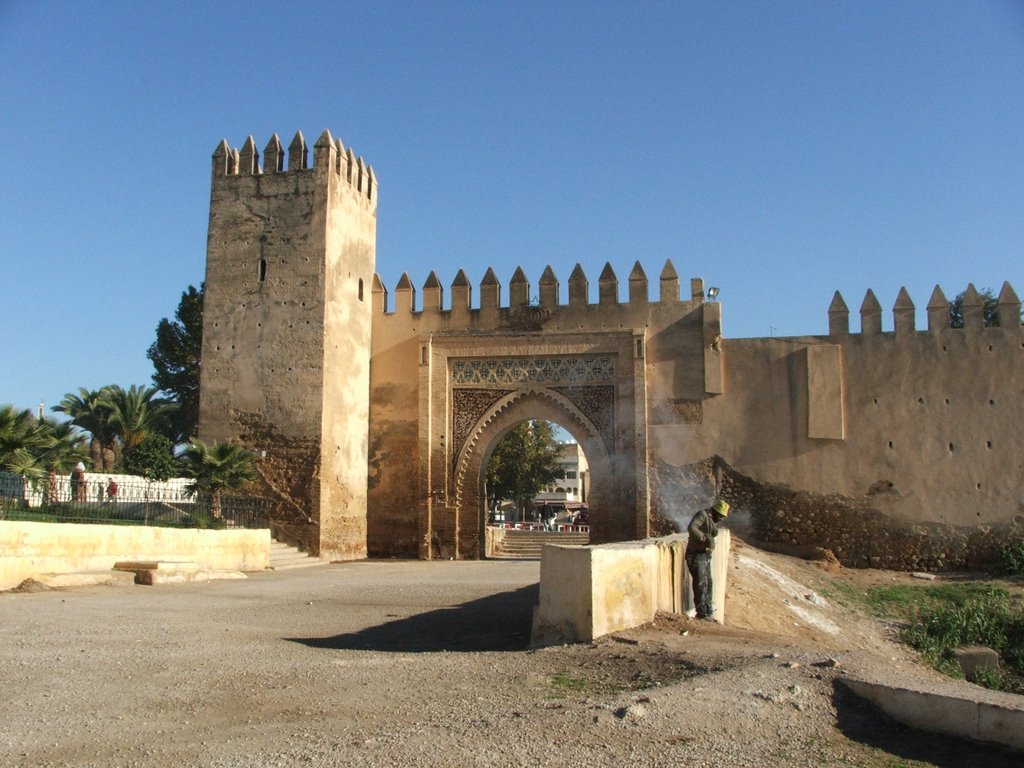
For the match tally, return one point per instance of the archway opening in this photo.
(536, 488)
(537, 478)
(476, 537)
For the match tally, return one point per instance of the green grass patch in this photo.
(907, 602)
(566, 681)
(845, 594)
(939, 619)
(156, 515)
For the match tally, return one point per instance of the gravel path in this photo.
(417, 664)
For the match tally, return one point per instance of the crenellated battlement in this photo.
(328, 153)
(522, 300)
(1007, 313)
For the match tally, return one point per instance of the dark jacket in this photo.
(702, 530)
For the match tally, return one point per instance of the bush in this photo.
(1011, 557)
(153, 458)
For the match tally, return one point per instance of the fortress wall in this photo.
(251, 326)
(349, 253)
(363, 452)
(921, 425)
(262, 373)
(290, 260)
(394, 494)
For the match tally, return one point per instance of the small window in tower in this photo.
(360, 289)
(263, 270)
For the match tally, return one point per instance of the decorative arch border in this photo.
(504, 414)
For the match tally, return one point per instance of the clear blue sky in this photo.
(779, 150)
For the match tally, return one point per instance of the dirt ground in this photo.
(386, 663)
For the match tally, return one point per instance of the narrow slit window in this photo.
(263, 270)
(360, 289)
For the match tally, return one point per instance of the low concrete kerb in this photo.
(154, 572)
(83, 579)
(949, 709)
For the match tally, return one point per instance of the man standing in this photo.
(702, 531)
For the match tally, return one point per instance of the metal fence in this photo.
(127, 501)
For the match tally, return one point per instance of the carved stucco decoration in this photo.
(468, 407)
(597, 403)
(465, 455)
(527, 318)
(576, 377)
(570, 369)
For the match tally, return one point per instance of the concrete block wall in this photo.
(31, 549)
(587, 592)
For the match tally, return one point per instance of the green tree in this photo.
(153, 458)
(523, 462)
(989, 300)
(217, 468)
(136, 412)
(90, 411)
(176, 355)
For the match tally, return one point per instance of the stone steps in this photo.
(527, 545)
(285, 557)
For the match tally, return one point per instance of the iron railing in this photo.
(129, 502)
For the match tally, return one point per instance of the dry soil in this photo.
(386, 663)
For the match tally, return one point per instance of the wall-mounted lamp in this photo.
(712, 294)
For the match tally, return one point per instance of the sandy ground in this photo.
(386, 663)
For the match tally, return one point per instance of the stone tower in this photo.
(286, 331)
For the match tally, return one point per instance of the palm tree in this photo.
(64, 448)
(216, 468)
(22, 436)
(90, 411)
(136, 412)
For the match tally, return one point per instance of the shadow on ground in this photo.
(496, 623)
(861, 721)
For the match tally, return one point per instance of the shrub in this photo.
(1011, 557)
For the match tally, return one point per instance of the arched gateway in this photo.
(447, 383)
(565, 379)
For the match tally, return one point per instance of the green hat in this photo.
(721, 508)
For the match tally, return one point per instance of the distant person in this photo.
(548, 516)
(111, 489)
(702, 531)
(78, 485)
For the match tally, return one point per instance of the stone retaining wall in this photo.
(854, 530)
